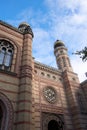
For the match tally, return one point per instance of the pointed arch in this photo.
(6, 54)
(6, 113)
(17, 51)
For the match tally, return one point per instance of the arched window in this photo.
(6, 54)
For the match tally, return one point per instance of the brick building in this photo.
(34, 96)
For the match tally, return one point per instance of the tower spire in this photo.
(62, 58)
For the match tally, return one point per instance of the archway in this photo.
(6, 113)
(52, 122)
(1, 116)
(53, 125)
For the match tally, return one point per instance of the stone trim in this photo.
(26, 71)
(8, 72)
(49, 108)
(46, 68)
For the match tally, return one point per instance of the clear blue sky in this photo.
(12, 9)
(51, 20)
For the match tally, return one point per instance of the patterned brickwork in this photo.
(34, 94)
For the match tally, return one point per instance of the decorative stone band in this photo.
(49, 108)
(26, 71)
(46, 68)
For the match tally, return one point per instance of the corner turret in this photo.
(25, 28)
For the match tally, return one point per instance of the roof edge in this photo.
(10, 26)
(46, 67)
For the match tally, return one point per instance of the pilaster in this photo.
(72, 85)
(24, 112)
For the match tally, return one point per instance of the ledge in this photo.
(47, 68)
(8, 72)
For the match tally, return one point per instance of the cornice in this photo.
(47, 68)
(84, 82)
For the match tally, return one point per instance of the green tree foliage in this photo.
(82, 54)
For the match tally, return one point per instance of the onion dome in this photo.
(58, 43)
(25, 28)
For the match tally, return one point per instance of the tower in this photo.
(71, 85)
(24, 111)
(62, 58)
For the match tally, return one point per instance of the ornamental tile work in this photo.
(34, 96)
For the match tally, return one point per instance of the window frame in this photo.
(5, 64)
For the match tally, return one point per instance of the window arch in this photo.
(6, 54)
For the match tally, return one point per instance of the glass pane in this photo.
(10, 52)
(7, 60)
(1, 57)
(3, 49)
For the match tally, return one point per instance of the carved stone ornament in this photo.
(50, 94)
(25, 29)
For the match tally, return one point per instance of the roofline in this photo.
(46, 67)
(10, 26)
(83, 82)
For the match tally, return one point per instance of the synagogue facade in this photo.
(34, 96)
